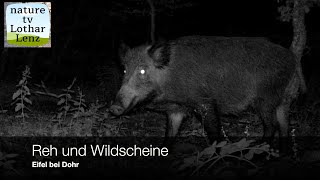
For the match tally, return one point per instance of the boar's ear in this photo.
(123, 48)
(160, 54)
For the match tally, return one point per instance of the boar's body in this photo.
(214, 76)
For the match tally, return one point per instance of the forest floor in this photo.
(95, 121)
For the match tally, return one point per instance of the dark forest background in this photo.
(86, 36)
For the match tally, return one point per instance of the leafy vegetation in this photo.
(20, 97)
(219, 157)
(7, 161)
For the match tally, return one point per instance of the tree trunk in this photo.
(153, 18)
(299, 37)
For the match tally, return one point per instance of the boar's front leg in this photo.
(175, 114)
(209, 117)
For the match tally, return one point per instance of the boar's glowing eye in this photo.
(124, 71)
(142, 71)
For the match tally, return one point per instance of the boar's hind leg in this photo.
(282, 112)
(212, 125)
(267, 114)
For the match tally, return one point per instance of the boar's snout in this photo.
(125, 100)
(116, 110)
